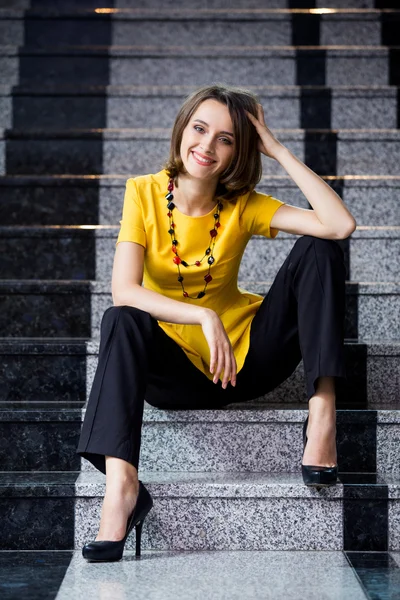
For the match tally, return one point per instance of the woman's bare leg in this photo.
(321, 432)
(122, 488)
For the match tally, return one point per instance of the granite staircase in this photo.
(87, 99)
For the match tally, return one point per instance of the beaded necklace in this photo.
(208, 252)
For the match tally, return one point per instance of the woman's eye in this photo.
(225, 139)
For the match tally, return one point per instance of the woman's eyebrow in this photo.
(204, 123)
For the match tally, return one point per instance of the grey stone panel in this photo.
(11, 31)
(276, 31)
(347, 30)
(6, 111)
(9, 71)
(259, 516)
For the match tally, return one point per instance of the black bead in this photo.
(180, 278)
(208, 250)
(171, 231)
(220, 206)
(169, 196)
(170, 205)
(184, 263)
(175, 242)
(201, 294)
(210, 260)
(216, 216)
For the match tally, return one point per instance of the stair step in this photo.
(275, 65)
(46, 308)
(243, 437)
(203, 511)
(251, 26)
(336, 107)
(68, 366)
(87, 252)
(329, 152)
(91, 199)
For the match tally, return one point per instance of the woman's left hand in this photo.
(267, 143)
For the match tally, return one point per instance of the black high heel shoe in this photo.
(104, 550)
(317, 476)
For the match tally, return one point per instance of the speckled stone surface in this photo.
(224, 512)
(8, 68)
(145, 150)
(6, 111)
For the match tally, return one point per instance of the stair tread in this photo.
(228, 484)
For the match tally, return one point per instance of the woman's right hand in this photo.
(222, 357)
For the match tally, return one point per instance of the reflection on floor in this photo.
(211, 575)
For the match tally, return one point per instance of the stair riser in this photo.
(370, 202)
(364, 111)
(69, 315)
(372, 378)
(277, 30)
(39, 446)
(225, 446)
(371, 259)
(223, 523)
(340, 69)
(328, 156)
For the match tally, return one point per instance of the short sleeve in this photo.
(132, 223)
(260, 208)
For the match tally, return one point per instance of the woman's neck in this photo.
(194, 197)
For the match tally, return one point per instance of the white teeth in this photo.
(202, 159)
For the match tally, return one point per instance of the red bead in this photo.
(174, 250)
(208, 278)
(213, 233)
(170, 187)
(177, 260)
(197, 263)
(169, 214)
(218, 224)
(172, 225)
(185, 294)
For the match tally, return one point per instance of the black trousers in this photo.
(301, 317)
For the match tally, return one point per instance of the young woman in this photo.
(189, 337)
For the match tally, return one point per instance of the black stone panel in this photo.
(26, 575)
(365, 514)
(55, 257)
(61, 69)
(42, 31)
(57, 204)
(310, 67)
(321, 152)
(356, 441)
(37, 523)
(55, 155)
(45, 315)
(305, 29)
(43, 377)
(316, 108)
(39, 446)
(378, 573)
(352, 393)
(59, 112)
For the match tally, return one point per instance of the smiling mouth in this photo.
(201, 159)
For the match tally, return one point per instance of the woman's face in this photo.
(209, 134)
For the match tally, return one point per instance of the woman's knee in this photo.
(123, 312)
(322, 246)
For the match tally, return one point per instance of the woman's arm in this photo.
(329, 218)
(126, 285)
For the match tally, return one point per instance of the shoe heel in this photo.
(138, 528)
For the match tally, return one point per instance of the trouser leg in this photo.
(137, 361)
(301, 317)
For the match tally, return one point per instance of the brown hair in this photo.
(245, 169)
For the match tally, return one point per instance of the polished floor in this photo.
(211, 575)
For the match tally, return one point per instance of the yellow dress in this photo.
(145, 221)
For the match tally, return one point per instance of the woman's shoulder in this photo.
(157, 180)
